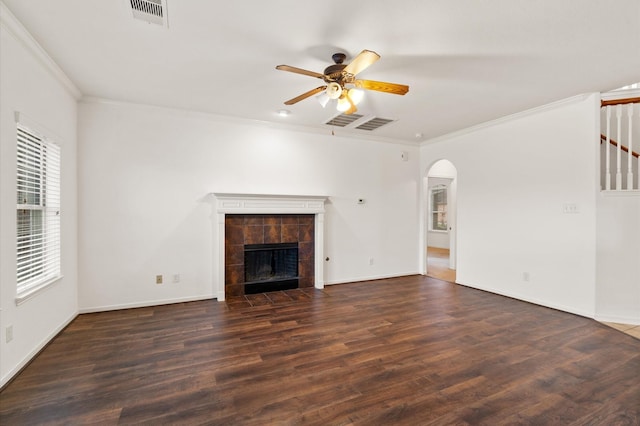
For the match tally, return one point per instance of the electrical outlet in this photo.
(525, 276)
(176, 278)
(9, 333)
(158, 279)
(371, 261)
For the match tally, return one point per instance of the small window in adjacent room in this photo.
(38, 213)
(438, 214)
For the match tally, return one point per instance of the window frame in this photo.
(442, 188)
(38, 236)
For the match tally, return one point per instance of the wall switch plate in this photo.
(9, 334)
(158, 279)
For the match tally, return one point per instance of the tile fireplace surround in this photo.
(257, 208)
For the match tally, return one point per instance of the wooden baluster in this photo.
(619, 148)
(630, 146)
(607, 150)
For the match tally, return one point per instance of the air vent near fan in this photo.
(343, 120)
(374, 123)
(369, 124)
(151, 11)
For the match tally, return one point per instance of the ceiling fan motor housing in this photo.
(335, 70)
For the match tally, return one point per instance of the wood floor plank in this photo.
(402, 351)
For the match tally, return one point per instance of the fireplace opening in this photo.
(270, 267)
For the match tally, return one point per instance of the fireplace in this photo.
(268, 253)
(250, 225)
(270, 267)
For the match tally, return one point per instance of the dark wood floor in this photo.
(405, 351)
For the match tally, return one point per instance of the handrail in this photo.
(603, 138)
(604, 103)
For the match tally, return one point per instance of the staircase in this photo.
(618, 209)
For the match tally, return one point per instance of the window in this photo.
(38, 212)
(439, 208)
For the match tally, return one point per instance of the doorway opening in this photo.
(440, 236)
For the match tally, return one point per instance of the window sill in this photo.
(438, 231)
(33, 292)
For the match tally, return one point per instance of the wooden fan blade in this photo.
(299, 71)
(305, 95)
(362, 61)
(381, 86)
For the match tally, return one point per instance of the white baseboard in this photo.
(371, 278)
(145, 304)
(27, 359)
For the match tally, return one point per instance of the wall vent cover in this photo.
(343, 120)
(374, 123)
(151, 11)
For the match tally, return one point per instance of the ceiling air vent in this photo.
(374, 123)
(151, 11)
(343, 120)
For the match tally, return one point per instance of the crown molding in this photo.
(242, 120)
(9, 22)
(507, 118)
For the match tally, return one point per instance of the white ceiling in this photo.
(466, 61)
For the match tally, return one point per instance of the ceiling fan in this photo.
(341, 82)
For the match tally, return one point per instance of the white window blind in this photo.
(38, 211)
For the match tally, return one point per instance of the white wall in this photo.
(145, 174)
(514, 177)
(442, 169)
(29, 86)
(618, 267)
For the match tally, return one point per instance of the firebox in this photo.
(270, 267)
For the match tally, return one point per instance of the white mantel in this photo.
(226, 203)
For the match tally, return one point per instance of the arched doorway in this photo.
(440, 196)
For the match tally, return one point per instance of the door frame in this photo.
(447, 171)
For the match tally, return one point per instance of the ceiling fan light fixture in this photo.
(343, 104)
(355, 95)
(323, 98)
(334, 90)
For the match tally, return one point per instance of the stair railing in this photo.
(625, 111)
